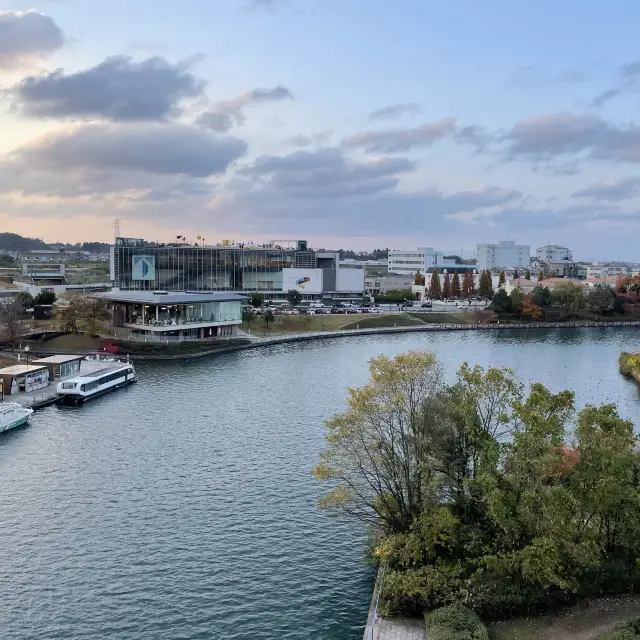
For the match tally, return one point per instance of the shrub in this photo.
(629, 630)
(454, 622)
(629, 363)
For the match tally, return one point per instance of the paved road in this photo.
(399, 630)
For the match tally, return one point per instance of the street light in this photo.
(26, 350)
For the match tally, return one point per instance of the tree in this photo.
(601, 299)
(501, 302)
(248, 316)
(541, 296)
(434, 287)
(571, 298)
(45, 298)
(516, 274)
(527, 274)
(465, 285)
(482, 286)
(376, 448)
(489, 284)
(482, 493)
(419, 279)
(517, 300)
(446, 287)
(68, 313)
(93, 312)
(455, 286)
(25, 298)
(294, 297)
(541, 274)
(256, 299)
(11, 320)
(502, 280)
(268, 318)
(472, 284)
(530, 309)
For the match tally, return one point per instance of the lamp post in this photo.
(26, 375)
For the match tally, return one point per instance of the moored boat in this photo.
(13, 415)
(91, 385)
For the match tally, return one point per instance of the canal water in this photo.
(184, 507)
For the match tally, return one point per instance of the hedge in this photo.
(629, 630)
(456, 622)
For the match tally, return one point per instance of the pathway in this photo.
(398, 629)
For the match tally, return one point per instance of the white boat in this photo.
(91, 385)
(13, 415)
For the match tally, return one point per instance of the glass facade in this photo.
(139, 265)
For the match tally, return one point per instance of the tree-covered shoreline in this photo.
(485, 493)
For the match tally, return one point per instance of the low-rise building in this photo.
(409, 262)
(383, 284)
(175, 316)
(526, 286)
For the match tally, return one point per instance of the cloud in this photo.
(98, 159)
(395, 140)
(547, 136)
(326, 173)
(611, 190)
(118, 89)
(227, 113)
(27, 36)
(302, 140)
(628, 76)
(395, 111)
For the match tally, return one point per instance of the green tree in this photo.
(516, 274)
(601, 299)
(267, 319)
(541, 274)
(25, 299)
(527, 274)
(294, 297)
(482, 285)
(256, 299)
(248, 316)
(571, 298)
(45, 298)
(501, 302)
(435, 291)
(502, 280)
(541, 296)
(455, 286)
(517, 300)
(446, 287)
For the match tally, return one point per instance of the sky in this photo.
(348, 123)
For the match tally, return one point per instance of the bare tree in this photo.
(11, 320)
(94, 313)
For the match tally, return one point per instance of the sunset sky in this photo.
(352, 123)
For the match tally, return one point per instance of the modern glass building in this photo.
(138, 265)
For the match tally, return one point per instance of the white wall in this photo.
(291, 280)
(502, 255)
(350, 280)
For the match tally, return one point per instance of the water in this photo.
(183, 507)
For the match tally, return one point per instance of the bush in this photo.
(629, 363)
(629, 630)
(455, 622)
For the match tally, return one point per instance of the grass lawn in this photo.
(325, 322)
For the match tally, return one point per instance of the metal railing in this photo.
(374, 616)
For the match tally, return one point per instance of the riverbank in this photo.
(629, 364)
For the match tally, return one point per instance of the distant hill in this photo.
(16, 242)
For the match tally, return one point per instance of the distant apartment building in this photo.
(603, 271)
(379, 285)
(409, 262)
(503, 255)
(44, 267)
(554, 253)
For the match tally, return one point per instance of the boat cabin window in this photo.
(69, 385)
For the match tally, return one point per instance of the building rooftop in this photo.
(522, 282)
(21, 369)
(59, 359)
(171, 297)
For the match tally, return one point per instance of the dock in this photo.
(49, 395)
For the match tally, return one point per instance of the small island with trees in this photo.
(486, 499)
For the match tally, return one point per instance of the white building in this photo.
(602, 271)
(503, 255)
(554, 253)
(409, 262)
